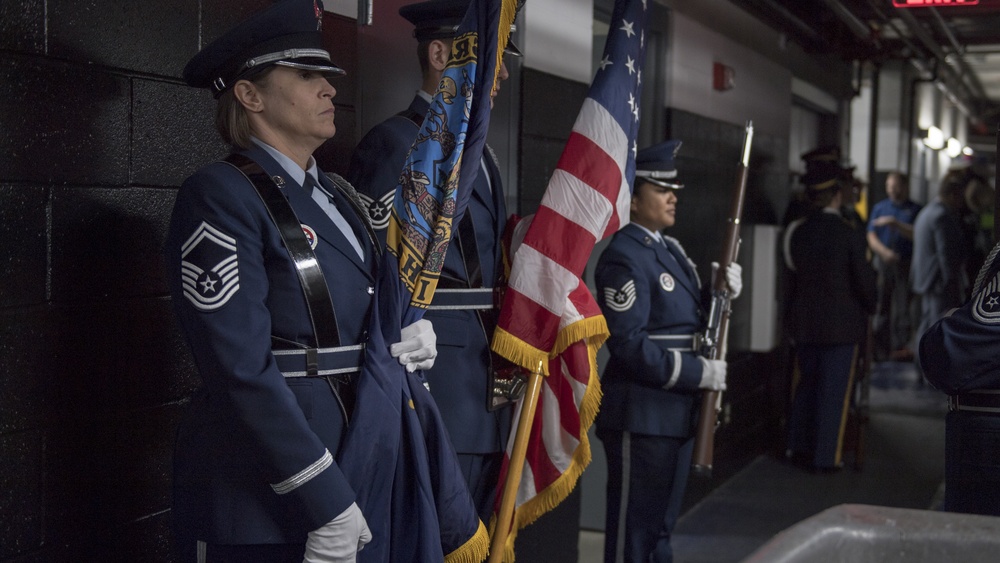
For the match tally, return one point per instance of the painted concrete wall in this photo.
(762, 90)
(557, 38)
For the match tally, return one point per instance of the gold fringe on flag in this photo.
(508, 11)
(519, 351)
(594, 332)
(472, 551)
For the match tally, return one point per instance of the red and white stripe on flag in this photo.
(587, 199)
(549, 321)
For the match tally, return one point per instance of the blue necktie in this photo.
(327, 205)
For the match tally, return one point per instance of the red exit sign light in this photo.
(932, 3)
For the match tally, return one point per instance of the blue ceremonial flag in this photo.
(397, 454)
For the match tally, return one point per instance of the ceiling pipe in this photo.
(960, 100)
(966, 72)
(791, 19)
(860, 29)
(928, 42)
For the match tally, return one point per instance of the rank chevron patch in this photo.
(210, 273)
(620, 300)
(987, 306)
(379, 209)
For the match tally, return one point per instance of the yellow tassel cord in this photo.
(473, 551)
(594, 332)
(508, 11)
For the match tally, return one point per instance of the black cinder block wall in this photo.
(97, 131)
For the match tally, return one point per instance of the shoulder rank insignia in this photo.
(209, 268)
(379, 209)
(986, 309)
(620, 300)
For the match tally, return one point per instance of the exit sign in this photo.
(932, 3)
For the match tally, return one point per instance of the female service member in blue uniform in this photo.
(655, 306)
(253, 243)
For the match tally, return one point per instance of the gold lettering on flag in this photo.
(463, 49)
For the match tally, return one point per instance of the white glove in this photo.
(340, 540)
(713, 375)
(417, 347)
(734, 278)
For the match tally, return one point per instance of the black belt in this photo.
(984, 401)
(475, 298)
(312, 362)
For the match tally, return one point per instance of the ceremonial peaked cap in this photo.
(439, 19)
(287, 34)
(655, 164)
(822, 178)
(828, 155)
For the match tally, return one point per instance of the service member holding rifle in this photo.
(656, 309)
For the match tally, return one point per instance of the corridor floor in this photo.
(902, 466)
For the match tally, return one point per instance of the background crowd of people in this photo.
(921, 277)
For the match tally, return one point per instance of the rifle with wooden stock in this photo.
(716, 334)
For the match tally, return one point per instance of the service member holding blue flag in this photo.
(463, 307)
(272, 268)
(405, 471)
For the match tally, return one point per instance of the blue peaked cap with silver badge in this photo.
(656, 164)
(439, 19)
(286, 34)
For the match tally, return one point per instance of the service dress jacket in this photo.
(459, 380)
(654, 304)
(255, 454)
(832, 284)
(959, 352)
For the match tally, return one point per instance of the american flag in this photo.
(549, 319)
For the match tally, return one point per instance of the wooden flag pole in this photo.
(509, 496)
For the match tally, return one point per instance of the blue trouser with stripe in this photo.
(647, 476)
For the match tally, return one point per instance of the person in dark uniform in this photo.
(831, 295)
(252, 242)
(958, 355)
(463, 310)
(826, 157)
(656, 307)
